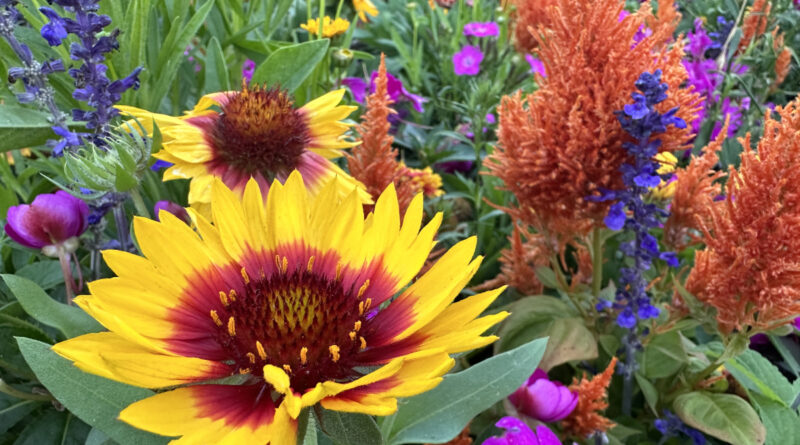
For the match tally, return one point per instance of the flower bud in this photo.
(52, 220)
(342, 57)
(542, 399)
(175, 209)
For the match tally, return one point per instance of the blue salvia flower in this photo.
(32, 73)
(672, 426)
(640, 120)
(92, 84)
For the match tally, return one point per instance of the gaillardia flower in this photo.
(330, 27)
(302, 300)
(257, 133)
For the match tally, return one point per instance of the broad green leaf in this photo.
(70, 320)
(664, 355)
(47, 274)
(725, 416)
(348, 428)
(544, 316)
(781, 422)
(306, 428)
(97, 437)
(289, 66)
(216, 68)
(23, 127)
(95, 400)
(757, 374)
(440, 414)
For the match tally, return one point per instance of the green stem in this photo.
(597, 261)
(138, 203)
(13, 392)
(321, 17)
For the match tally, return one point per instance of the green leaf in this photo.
(46, 274)
(547, 277)
(545, 316)
(757, 374)
(649, 391)
(348, 428)
(664, 356)
(289, 66)
(306, 428)
(53, 427)
(97, 437)
(725, 416)
(124, 179)
(23, 127)
(781, 422)
(216, 75)
(95, 400)
(440, 414)
(13, 410)
(71, 321)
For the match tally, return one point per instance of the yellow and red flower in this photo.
(256, 132)
(303, 298)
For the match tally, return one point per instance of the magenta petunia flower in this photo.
(175, 209)
(481, 29)
(542, 399)
(248, 68)
(467, 62)
(52, 219)
(518, 433)
(537, 67)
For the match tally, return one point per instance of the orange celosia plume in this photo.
(782, 62)
(750, 268)
(695, 190)
(586, 419)
(563, 143)
(529, 14)
(755, 23)
(374, 162)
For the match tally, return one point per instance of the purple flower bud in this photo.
(54, 32)
(51, 219)
(248, 68)
(518, 433)
(543, 399)
(173, 208)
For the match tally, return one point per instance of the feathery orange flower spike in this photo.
(586, 419)
(375, 163)
(755, 23)
(529, 14)
(749, 268)
(695, 190)
(782, 62)
(563, 143)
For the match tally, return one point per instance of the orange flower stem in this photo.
(597, 261)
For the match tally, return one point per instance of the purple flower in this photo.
(537, 67)
(481, 29)
(248, 68)
(50, 220)
(159, 164)
(175, 209)
(394, 86)
(543, 399)
(699, 41)
(467, 62)
(518, 433)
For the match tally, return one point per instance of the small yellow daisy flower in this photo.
(330, 28)
(303, 298)
(365, 6)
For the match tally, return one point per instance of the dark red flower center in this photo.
(301, 321)
(259, 131)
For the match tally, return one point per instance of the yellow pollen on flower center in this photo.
(261, 352)
(251, 357)
(363, 288)
(223, 297)
(334, 350)
(287, 368)
(281, 264)
(215, 317)
(232, 327)
(310, 266)
(303, 355)
(245, 277)
(363, 342)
